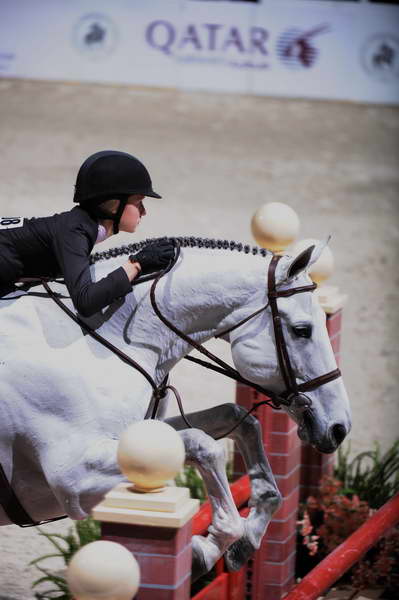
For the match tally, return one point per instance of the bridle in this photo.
(293, 394)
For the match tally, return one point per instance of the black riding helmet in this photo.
(111, 174)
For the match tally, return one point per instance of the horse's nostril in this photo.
(338, 433)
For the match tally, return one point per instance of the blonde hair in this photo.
(110, 205)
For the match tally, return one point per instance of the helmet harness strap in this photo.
(103, 214)
(118, 215)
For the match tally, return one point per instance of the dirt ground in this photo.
(216, 158)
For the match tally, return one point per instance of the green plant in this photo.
(86, 531)
(191, 479)
(372, 476)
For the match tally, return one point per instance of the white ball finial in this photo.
(103, 571)
(323, 268)
(150, 453)
(275, 226)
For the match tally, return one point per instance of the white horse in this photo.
(65, 399)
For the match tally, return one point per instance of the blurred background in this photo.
(229, 105)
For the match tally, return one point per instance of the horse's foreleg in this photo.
(209, 458)
(265, 497)
(80, 479)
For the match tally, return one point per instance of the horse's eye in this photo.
(304, 331)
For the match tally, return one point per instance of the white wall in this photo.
(294, 48)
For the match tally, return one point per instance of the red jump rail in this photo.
(347, 554)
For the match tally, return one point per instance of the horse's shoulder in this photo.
(19, 313)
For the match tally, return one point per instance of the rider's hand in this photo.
(154, 257)
(132, 269)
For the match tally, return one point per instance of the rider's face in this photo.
(132, 213)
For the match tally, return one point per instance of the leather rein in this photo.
(293, 394)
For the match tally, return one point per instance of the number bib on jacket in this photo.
(11, 222)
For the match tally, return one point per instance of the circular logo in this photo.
(95, 35)
(296, 48)
(380, 57)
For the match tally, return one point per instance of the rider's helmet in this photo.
(111, 174)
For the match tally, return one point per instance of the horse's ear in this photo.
(306, 258)
(300, 262)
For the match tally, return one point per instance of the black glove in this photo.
(154, 257)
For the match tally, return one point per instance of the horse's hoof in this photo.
(237, 555)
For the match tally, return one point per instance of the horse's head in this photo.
(323, 414)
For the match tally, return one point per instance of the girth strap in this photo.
(10, 503)
(14, 509)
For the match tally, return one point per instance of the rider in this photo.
(110, 188)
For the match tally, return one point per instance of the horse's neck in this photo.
(203, 295)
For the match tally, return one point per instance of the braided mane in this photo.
(185, 242)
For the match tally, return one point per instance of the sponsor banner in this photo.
(294, 48)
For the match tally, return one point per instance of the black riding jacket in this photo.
(59, 246)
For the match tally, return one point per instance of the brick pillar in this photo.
(163, 555)
(273, 566)
(314, 464)
(156, 528)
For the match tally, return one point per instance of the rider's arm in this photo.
(73, 246)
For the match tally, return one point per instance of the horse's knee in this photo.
(238, 412)
(202, 448)
(270, 498)
(234, 411)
